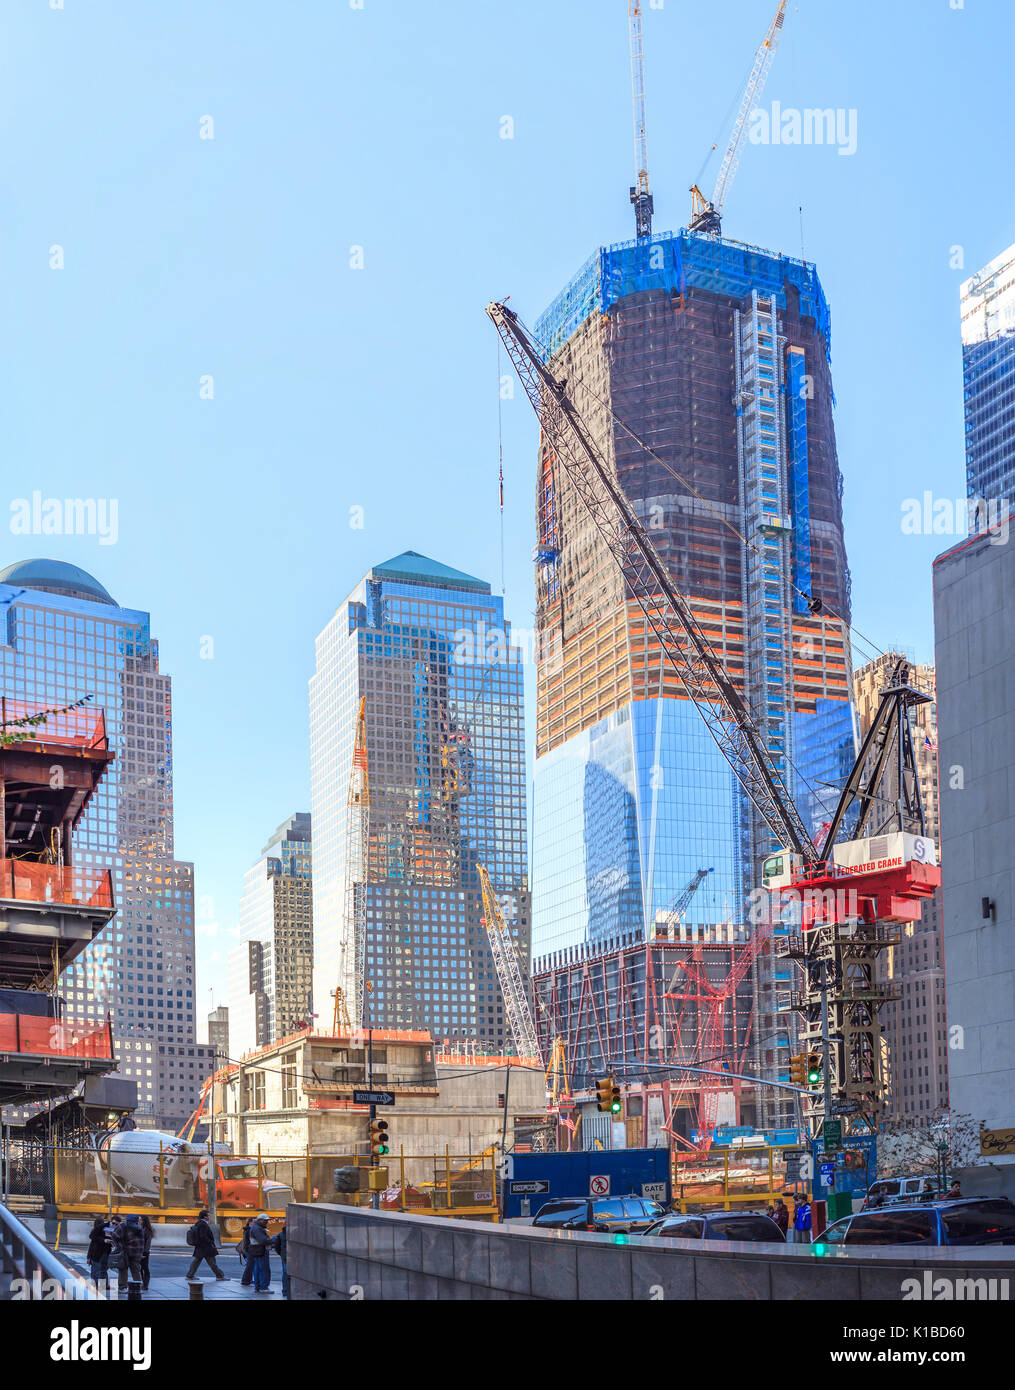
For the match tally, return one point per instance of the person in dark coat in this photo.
(128, 1249)
(146, 1274)
(204, 1247)
(278, 1244)
(100, 1247)
(781, 1217)
(258, 1265)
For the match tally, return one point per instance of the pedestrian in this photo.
(258, 1261)
(278, 1244)
(100, 1247)
(128, 1248)
(243, 1250)
(954, 1192)
(802, 1223)
(781, 1217)
(149, 1235)
(201, 1237)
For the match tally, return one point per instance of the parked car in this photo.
(619, 1214)
(965, 1221)
(719, 1225)
(888, 1191)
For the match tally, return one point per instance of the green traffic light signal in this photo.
(814, 1076)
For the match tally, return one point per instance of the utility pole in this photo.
(212, 1183)
(507, 1088)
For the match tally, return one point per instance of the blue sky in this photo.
(376, 388)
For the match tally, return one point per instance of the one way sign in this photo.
(534, 1185)
(373, 1098)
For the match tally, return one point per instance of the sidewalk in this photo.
(217, 1290)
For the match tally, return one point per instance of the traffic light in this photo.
(378, 1140)
(813, 1069)
(798, 1069)
(608, 1095)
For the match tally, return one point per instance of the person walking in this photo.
(278, 1244)
(802, 1223)
(258, 1260)
(149, 1235)
(128, 1248)
(100, 1247)
(781, 1217)
(201, 1237)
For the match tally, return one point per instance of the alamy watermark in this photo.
(66, 516)
(957, 516)
(788, 125)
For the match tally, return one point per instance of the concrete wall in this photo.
(974, 620)
(350, 1253)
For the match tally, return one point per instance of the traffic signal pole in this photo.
(825, 1042)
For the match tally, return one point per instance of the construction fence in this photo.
(731, 1178)
(172, 1187)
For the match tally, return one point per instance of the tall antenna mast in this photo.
(640, 195)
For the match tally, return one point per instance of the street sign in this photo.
(534, 1185)
(792, 1170)
(827, 1173)
(831, 1133)
(599, 1185)
(654, 1191)
(373, 1098)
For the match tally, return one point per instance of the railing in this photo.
(32, 1035)
(79, 728)
(42, 1274)
(24, 880)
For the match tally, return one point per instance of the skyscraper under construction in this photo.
(702, 365)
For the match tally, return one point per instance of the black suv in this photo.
(965, 1221)
(719, 1225)
(619, 1214)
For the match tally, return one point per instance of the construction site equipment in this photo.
(505, 959)
(706, 213)
(640, 195)
(341, 1022)
(357, 844)
(674, 914)
(853, 942)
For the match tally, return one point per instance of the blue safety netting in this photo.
(672, 262)
(799, 492)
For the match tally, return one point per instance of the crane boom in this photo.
(357, 840)
(678, 907)
(512, 987)
(706, 215)
(640, 195)
(666, 610)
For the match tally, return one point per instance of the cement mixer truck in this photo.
(132, 1168)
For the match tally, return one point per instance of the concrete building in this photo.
(914, 1025)
(427, 650)
(974, 620)
(703, 367)
(63, 637)
(218, 1034)
(988, 376)
(298, 1095)
(271, 971)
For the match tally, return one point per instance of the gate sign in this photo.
(599, 1185)
(654, 1191)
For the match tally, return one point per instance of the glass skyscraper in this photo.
(988, 377)
(428, 650)
(271, 971)
(702, 366)
(63, 637)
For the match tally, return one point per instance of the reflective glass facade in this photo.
(55, 648)
(988, 377)
(429, 650)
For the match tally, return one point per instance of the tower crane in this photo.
(885, 884)
(512, 987)
(706, 213)
(640, 195)
(676, 909)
